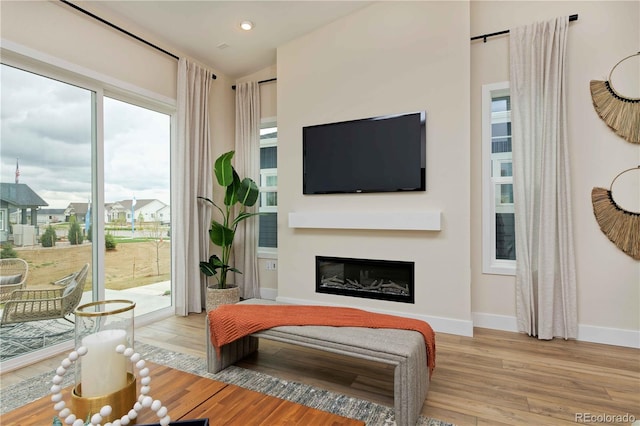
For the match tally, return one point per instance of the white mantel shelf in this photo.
(407, 221)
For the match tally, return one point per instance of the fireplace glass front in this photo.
(373, 279)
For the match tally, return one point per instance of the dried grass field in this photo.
(131, 264)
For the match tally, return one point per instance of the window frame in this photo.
(101, 86)
(264, 173)
(491, 265)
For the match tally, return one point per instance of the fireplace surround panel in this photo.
(373, 279)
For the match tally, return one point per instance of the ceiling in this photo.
(199, 29)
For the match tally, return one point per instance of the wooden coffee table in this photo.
(188, 396)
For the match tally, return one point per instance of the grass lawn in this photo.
(133, 263)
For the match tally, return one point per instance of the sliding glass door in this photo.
(84, 179)
(46, 173)
(137, 204)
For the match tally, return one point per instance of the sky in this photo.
(46, 127)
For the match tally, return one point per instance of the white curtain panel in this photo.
(545, 264)
(193, 173)
(247, 164)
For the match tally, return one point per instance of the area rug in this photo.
(369, 412)
(20, 338)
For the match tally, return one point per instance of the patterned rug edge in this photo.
(371, 413)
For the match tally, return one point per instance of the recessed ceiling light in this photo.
(246, 25)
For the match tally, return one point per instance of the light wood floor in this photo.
(495, 378)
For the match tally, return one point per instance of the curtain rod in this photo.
(484, 36)
(260, 82)
(86, 12)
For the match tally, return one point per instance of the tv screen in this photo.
(379, 154)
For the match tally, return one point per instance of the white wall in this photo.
(60, 31)
(56, 30)
(608, 280)
(390, 57)
(268, 92)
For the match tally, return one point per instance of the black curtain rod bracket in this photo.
(260, 82)
(485, 36)
(122, 30)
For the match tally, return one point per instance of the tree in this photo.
(109, 242)
(7, 251)
(75, 233)
(49, 237)
(155, 233)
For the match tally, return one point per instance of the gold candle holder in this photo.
(104, 374)
(121, 401)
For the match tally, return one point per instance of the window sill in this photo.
(500, 269)
(267, 253)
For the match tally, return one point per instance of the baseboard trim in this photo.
(439, 324)
(494, 322)
(268, 293)
(609, 336)
(586, 333)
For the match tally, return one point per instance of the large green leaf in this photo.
(248, 192)
(245, 215)
(208, 269)
(220, 235)
(231, 195)
(223, 169)
(215, 261)
(211, 267)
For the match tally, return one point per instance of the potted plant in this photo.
(238, 193)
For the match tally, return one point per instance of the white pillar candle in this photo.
(104, 371)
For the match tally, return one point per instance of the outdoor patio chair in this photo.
(13, 276)
(36, 305)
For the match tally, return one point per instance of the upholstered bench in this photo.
(404, 349)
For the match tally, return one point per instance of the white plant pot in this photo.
(222, 296)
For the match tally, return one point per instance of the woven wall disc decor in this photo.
(622, 114)
(621, 226)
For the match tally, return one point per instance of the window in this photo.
(136, 168)
(81, 150)
(498, 225)
(47, 139)
(268, 238)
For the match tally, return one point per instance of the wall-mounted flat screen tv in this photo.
(379, 154)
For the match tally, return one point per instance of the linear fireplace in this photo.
(373, 279)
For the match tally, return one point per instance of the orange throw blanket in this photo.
(228, 323)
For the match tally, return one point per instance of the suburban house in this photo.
(144, 210)
(49, 216)
(114, 212)
(385, 58)
(19, 205)
(78, 211)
